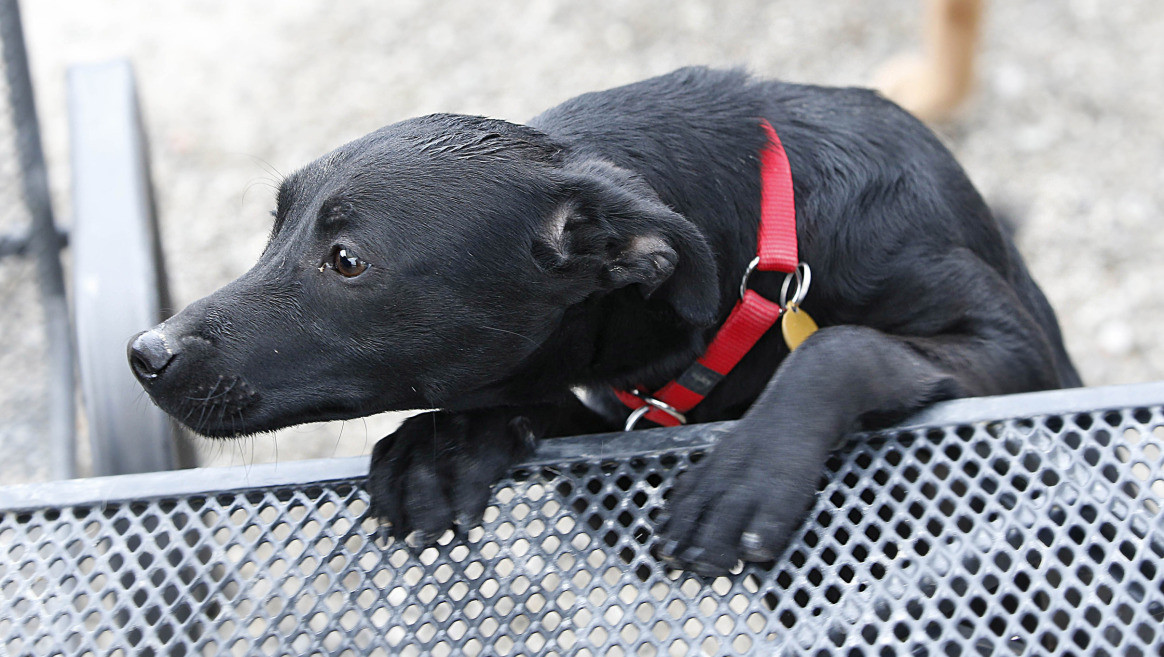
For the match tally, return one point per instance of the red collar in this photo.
(751, 317)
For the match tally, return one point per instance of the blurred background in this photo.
(1064, 131)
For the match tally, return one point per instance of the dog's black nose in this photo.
(149, 354)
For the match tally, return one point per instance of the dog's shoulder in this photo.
(665, 113)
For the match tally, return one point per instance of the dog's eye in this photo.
(346, 263)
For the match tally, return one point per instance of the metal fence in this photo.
(116, 267)
(1026, 525)
(36, 396)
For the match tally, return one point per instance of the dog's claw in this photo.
(692, 558)
(708, 570)
(383, 534)
(417, 539)
(753, 548)
(667, 550)
(467, 520)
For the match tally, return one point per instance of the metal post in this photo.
(119, 285)
(44, 244)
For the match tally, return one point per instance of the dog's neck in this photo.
(713, 179)
(624, 340)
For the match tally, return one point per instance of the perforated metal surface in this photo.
(1031, 536)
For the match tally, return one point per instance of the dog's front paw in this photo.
(741, 503)
(436, 470)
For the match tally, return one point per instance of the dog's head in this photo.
(415, 268)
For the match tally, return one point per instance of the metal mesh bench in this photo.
(1022, 525)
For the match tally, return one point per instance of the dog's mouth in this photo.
(228, 406)
(216, 409)
(188, 377)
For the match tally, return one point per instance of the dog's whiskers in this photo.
(198, 426)
(270, 168)
(501, 330)
(261, 181)
(211, 394)
(188, 413)
(222, 415)
(225, 391)
(335, 448)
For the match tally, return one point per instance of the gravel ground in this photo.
(1065, 131)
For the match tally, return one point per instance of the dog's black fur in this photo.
(601, 246)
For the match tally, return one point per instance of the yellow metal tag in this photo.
(796, 326)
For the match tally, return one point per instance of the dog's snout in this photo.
(149, 354)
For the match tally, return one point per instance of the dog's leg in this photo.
(933, 85)
(436, 470)
(748, 496)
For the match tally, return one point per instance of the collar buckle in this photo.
(747, 273)
(649, 404)
(802, 274)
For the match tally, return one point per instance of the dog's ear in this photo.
(610, 229)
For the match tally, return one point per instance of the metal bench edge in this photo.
(97, 491)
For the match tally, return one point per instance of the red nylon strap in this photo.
(777, 249)
(751, 318)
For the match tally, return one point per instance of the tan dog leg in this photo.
(932, 85)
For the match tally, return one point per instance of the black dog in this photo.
(488, 269)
